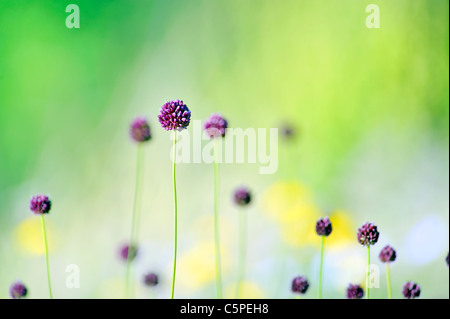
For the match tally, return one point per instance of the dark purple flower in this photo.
(17, 290)
(140, 130)
(215, 126)
(242, 196)
(287, 130)
(300, 285)
(174, 115)
(354, 291)
(150, 279)
(130, 251)
(388, 254)
(446, 259)
(40, 204)
(323, 227)
(411, 290)
(368, 234)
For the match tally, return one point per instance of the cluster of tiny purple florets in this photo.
(323, 227)
(300, 285)
(174, 115)
(368, 234)
(18, 290)
(40, 204)
(140, 130)
(387, 254)
(411, 290)
(354, 291)
(242, 196)
(215, 126)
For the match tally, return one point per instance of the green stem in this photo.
(175, 212)
(321, 267)
(44, 235)
(134, 219)
(216, 224)
(388, 276)
(368, 272)
(242, 244)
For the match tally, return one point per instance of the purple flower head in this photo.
(387, 254)
(354, 291)
(17, 290)
(368, 234)
(323, 227)
(215, 126)
(174, 115)
(40, 204)
(242, 196)
(140, 130)
(411, 290)
(128, 251)
(300, 285)
(446, 259)
(150, 279)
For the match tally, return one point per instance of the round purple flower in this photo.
(242, 196)
(300, 285)
(215, 126)
(17, 290)
(40, 204)
(411, 290)
(387, 254)
(354, 291)
(140, 130)
(130, 251)
(368, 234)
(150, 279)
(287, 130)
(323, 227)
(174, 115)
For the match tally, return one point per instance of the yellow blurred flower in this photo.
(248, 290)
(112, 288)
(28, 236)
(344, 233)
(298, 228)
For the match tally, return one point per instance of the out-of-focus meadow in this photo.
(371, 143)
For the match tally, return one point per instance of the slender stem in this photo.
(44, 235)
(321, 267)
(216, 223)
(368, 272)
(175, 212)
(388, 276)
(242, 242)
(134, 219)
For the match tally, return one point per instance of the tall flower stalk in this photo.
(40, 205)
(174, 116)
(323, 229)
(241, 198)
(215, 127)
(140, 133)
(368, 235)
(388, 255)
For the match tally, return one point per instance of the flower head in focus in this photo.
(174, 115)
(40, 204)
(323, 227)
(368, 234)
(300, 285)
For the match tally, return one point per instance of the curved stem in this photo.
(175, 212)
(135, 219)
(368, 272)
(242, 242)
(216, 223)
(321, 267)
(44, 235)
(388, 276)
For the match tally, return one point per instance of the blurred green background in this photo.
(370, 108)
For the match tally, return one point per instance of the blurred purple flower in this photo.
(140, 130)
(323, 227)
(150, 279)
(242, 196)
(411, 290)
(300, 285)
(174, 115)
(387, 254)
(368, 234)
(215, 126)
(18, 290)
(40, 204)
(130, 251)
(354, 291)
